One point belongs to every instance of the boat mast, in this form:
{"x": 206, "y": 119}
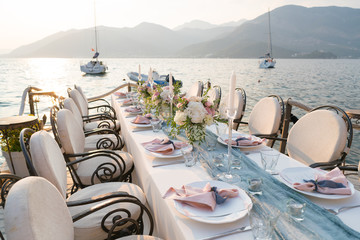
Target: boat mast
{"x": 269, "y": 42}
{"x": 96, "y": 46}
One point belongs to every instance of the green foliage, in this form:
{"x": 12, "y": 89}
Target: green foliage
{"x": 12, "y": 139}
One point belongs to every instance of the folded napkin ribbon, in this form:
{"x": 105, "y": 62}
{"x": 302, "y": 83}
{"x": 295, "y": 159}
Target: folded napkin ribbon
{"x": 333, "y": 182}
{"x": 245, "y": 141}
{"x": 120, "y": 94}
{"x": 206, "y": 197}
{"x": 163, "y": 146}
{"x": 141, "y": 120}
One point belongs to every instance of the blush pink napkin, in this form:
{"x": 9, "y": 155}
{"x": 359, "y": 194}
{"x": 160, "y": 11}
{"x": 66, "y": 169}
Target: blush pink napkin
{"x": 120, "y": 94}
{"x": 127, "y": 101}
{"x": 162, "y": 146}
{"x": 245, "y": 141}
{"x": 132, "y": 110}
{"x": 334, "y": 175}
{"x": 141, "y": 120}
{"x": 199, "y": 197}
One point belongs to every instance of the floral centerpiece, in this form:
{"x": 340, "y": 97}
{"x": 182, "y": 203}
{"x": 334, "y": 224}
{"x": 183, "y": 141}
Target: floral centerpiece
{"x": 145, "y": 93}
{"x": 161, "y": 97}
{"x": 193, "y": 115}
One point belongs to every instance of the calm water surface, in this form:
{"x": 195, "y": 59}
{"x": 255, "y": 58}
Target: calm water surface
{"x": 312, "y": 82}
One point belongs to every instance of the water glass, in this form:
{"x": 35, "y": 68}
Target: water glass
{"x": 190, "y": 156}
{"x": 210, "y": 143}
{"x": 156, "y": 124}
{"x": 262, "y": 224}
{"x": 254, "y": 186}
{"x": 236, "y": 163}
{"x": 218, "y": 160}
{"x": 296, "y": 210}
{"x": 221, "y": 129}
{"x": 269, "y": 160}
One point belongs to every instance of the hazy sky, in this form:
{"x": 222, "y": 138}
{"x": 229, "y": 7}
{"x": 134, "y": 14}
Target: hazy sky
{"x": 25, "y": 21}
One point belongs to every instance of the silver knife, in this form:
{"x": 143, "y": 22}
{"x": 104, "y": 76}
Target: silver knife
{"x": 169, "y": 163}
{"x": 142, "y": 130}
{"x": 227, "y": 233}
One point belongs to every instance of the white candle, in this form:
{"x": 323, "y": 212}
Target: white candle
{"x": 150, "y": 76}
{"x": 170, "y": 83}
{"x": 139, "y": 73}
{"x": 232, "y": 90}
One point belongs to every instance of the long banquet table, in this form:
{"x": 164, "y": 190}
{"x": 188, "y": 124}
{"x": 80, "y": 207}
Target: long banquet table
{"x": 170, "y": 224}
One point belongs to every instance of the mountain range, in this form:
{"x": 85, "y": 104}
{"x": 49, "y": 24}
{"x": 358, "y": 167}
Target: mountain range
{"x": 296, "y": 32}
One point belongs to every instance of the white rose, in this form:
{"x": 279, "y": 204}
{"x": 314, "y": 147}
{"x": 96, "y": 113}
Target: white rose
{"x": 197, "y": 112}
{"x": 180, "y": 117}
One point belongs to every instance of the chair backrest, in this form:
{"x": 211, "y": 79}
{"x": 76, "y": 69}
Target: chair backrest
{"x": 321, "y": 136}
{"x": 80, "y": 91}
{"x": 239, "y": 104}
{"x": 36, "y": 211}
{"x": 48, "y": 160}
{"x": 80, "y": 102}
{"x": 214, "y": 94}
{"x": 24, "y": 138}
{"x": 71, "y": 105}
{"x": 71, "y": 135}
{"x": 266, "y": 116}
{"x": 196, "y": 90}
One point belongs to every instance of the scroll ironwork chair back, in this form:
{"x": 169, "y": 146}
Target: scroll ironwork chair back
{"x": 53, "y": 120}
{"x": 241, "y": 108}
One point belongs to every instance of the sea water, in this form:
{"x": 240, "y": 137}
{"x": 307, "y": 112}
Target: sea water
{"x": 311, "y": 82}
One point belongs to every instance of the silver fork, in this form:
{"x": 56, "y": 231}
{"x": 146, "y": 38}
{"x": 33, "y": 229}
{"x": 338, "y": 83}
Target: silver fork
{"x": 337, "y": 210}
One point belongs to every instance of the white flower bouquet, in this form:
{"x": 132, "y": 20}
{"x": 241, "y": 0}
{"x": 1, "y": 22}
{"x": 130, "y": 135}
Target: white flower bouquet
{"x": 193, "y": 115}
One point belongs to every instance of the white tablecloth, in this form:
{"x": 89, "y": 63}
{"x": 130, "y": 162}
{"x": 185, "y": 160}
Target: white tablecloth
{"x": 156, "y": 181}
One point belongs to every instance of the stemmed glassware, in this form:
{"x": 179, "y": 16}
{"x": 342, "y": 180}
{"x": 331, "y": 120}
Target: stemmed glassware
{"x": 228, "y": 176}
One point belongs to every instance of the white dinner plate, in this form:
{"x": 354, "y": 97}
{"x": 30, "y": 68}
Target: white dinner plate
{"x": 175, "y": 154}
{"x": 297, "y": 174}
{"x": 122, "y": 102}
{"x": 231, "y": 210}
{"x": 221, "y": 139}
{"x": 134, "y": 113}
{"x": 140, "y": 125}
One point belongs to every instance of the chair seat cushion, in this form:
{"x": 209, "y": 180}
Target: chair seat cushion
{"x": 92, "y": 140}
{"x": 93, "y": 125}
{"x": 86, "y": 168}
{"x": 89, "y": 228}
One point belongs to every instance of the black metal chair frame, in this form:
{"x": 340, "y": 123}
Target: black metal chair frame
{"x": 238, "y": 120}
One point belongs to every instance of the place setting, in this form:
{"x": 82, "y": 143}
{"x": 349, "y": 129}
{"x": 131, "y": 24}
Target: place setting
{"x": 165, "y": 150}
{"x": 213, "y": 202}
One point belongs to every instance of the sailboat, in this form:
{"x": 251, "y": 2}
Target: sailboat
{"x": 268, "y": 61}
{"x": 94, "y": 66}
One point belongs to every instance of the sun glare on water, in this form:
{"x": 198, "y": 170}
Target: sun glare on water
{"x": 48, "y": 73}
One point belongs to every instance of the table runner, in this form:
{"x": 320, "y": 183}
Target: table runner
{"x": 318, "y": 223}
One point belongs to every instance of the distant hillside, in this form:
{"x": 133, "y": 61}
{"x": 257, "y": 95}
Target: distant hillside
{"x": 195, "y": 24}
{"x": 296, "y": 31}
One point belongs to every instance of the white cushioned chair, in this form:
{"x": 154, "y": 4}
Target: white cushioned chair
{"x": 98, "y": 138}
{"x": 36, "y": 210}
{"x": 321, "y": 138}
{"x": 214, "y": 96}
{"x": 104, "y": 111}
{"x": 118, "y": 163}
{"x": 90, "y": 125}
{"x": 196, "y": 90}
{"x": 239, "y": 104}
{"x": 266, "y": 119}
